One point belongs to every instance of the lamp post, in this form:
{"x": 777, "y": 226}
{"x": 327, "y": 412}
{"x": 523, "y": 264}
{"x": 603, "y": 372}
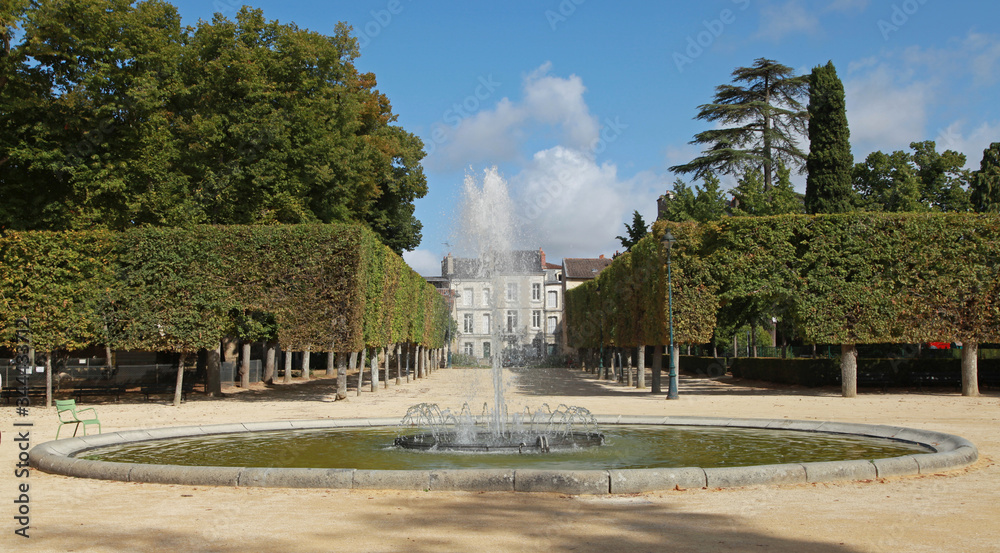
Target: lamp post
{"x": 668, "y": 242}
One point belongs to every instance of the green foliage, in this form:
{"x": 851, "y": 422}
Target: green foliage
{"x": 828, "y": 185}
{"x": 922, "y": 181}
{"x": 887, "y": 182}
{"x": 761, "y": 123}
{"x": 635, "y": 232}
{"x": 116, "y": 116}
{"x": 752, "y": 198}
{"x": 153, "y": 288}
{"x": 704, "y": 203}
{"x": 985, "y": 189}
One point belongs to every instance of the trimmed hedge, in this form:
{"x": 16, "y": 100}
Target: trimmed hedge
{"x": 173, "y": 289}
{"x": 871, "y": 372}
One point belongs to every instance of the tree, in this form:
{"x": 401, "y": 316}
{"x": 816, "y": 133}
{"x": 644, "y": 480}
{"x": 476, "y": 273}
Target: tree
{"x": 985, "y": 188}
{"x": 943, "y": 177}
{"x": 751, "y": 199}
{"x": 703, "y": 203}
{"x": 887, "y": 182}
{"x": 828, "y": 184}
{"x": 636, "y": 232}
{"x": 767, "y": 115}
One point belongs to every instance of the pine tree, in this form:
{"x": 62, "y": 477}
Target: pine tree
{"x": 986, "y": 181}
{"x": 828, "y": 184}
{"x": 766, "y": 115}
{"x": 635, "y": 232}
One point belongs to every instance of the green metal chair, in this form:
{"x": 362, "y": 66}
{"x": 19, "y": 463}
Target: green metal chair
{"x": 68, "y": 414}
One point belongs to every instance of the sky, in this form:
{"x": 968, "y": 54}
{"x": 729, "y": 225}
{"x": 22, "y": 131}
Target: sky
{"x": 583, "y": 105}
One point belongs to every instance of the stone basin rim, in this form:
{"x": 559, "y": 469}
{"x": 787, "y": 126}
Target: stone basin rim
{"x": 949, "y": 452}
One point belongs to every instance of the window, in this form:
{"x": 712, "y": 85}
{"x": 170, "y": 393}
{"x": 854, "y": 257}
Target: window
{"x": 486, "y": 349}
{"x": 553, "y": 299}
{"x": 486, "y": 297}
{"x": 536, "y": 319}
{"x": 511, "y": 321}
{"x": 553, "y": 322}
{"x": 486, "y": 323}
{"x": 468, "y": 349}
{"x": 511, "y": 291}
{"x": 536, "y": 291}
{"x": 467, "y": 297}
{"x": 467, "y": 324}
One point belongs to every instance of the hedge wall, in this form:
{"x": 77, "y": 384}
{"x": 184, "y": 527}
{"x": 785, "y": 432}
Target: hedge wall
{"x": 177, "y": 289}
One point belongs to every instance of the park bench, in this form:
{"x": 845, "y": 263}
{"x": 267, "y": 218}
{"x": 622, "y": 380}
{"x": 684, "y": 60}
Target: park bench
{"x": 936, "y": 378}
{"x": 165, "y": 388}
{"x": 875, "y": 379}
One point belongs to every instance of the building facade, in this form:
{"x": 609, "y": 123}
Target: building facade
{"x": 521, "y": 301}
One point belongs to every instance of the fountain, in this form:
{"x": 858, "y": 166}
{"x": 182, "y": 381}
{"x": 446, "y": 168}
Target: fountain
{"x": 488, "y": 233}
{"x": 551, "y": 450}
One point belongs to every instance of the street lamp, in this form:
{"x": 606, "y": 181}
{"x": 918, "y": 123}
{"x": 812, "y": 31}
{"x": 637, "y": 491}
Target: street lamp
{"x": 668, "y": 242}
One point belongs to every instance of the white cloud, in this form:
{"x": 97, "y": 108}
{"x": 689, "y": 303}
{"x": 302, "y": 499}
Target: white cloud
{"x": 971, "y": 144}
{"x": 575, "y": 207}
{"x": 893, "y": 99}
{"x": 778, "y": 21}
{"x": 494, "y": 135}
{"x": 424, "y": 262}
{"x": 884, "y": 113}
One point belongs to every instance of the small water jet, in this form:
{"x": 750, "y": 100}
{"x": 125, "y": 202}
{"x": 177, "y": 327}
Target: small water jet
{"x": 543, "y": 431}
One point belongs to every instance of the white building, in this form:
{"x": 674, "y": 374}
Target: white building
{"x": 528, "y": 313}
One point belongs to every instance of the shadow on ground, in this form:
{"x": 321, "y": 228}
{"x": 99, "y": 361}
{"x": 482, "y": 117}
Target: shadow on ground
{"x": 429, "y": 523}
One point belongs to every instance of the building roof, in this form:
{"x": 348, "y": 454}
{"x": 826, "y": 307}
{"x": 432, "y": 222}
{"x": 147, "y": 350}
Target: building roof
{"x": 584, "y": 268}
{"x": 509, "y": 263}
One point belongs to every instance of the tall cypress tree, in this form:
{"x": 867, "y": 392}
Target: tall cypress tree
{"x": 828, "y": 184}
{"x": 986, "y": 181}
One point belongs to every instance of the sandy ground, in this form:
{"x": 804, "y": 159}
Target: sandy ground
{"x": 955, "y": 511}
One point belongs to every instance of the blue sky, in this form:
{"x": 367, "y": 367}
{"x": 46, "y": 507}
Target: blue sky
{"x": 584, "y": 104}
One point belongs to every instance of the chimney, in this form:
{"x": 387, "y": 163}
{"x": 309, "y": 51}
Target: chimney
{"x": 602, "y": 256}
{"x": 540, "y": 250}
{"x": 447, "y": 266}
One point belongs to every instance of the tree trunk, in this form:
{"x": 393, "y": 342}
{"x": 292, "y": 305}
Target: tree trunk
{"x": 970, "y": 368}
{"x": 849, "y": 370}
{"x": 213, "y": 366}
{"x": 406, "y": 348}
{"x": 305, "y": 363}
{"x": 352, "y": 364}
{"x": 399, "y": 364}
{"x": 676, "y": 354}
{"x": 736, "y": 345}
{"x": 288, "y": 366}
{"x": 361, "y": 368}
{"x": 342, "y": 376}
{"x": 640, "y": 367}
{"x": 331, "y": 361}
{"x": 245, "y": 365}
{"x": 657, "y": 368}
{"x": 48, "y": 379}
{"x": 179, "y": 385}
{"x": 109, "y": 355}
{"x": 753, "y": 341}
{"x": 374, "y": 375}
{"x": 229, "y": 349}
{"x": 269, "y": 362}
{"x": 627, "y": 365}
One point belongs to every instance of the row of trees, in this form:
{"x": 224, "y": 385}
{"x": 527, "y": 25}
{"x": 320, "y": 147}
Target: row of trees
{"x": 847, "y": 279}
{"x": 116, "y": 116}
{"x": 763, "y": 114}
{"x": 332, "y": 288}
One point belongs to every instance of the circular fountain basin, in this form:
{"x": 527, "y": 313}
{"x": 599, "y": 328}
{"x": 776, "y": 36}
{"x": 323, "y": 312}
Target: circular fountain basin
{"x": 483, "y": 443}
{"x": 940, "y": 452}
